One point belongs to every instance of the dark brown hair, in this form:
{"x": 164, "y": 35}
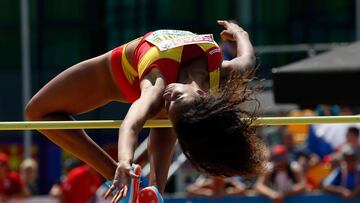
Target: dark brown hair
{"x": 216, "y": 134}
{"x": 354, "y": 130}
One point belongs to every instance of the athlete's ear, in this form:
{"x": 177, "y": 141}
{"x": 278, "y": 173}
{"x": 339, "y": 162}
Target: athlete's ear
{"x": 200, "y": 92}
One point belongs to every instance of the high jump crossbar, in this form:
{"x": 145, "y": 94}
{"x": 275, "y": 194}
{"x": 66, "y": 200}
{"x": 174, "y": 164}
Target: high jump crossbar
{"x": 106, "y": 124}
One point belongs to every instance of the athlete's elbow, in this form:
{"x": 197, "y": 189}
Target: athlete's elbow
{"x": 248, "y": 65}
{"x": 250, "y": 61}
{"x": 154, "y": 97}
{"x": 243, "y": 65}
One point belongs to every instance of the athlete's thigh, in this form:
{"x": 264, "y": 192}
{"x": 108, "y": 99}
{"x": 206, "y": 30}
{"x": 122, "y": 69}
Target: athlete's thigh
{"x": 79, "y": 89}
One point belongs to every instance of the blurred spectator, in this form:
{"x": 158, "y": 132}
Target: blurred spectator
{"x": 303, "y": 159}
{"x": 69, "y": 164}
{"x": 327, "y": 110}
{"x": 14, "y": 157}
{"x": 335, "y": 161}
{"x": 216, "y": 186}
{"x": 296, "y": 152}
{"x": 284, "y": 179}
{"x": 314, "y": 170}
{"x": 283, "y": 135}
{"x": 11, "y": 185}
{"x": 29, "y": 175}
{"x": 324, "y": 139}
{"x": 79, "y": 186}
{"x": 345, "y": 180}
{"x": 346, "y": 111}
{"x": 287, "y": 140}
{"x": 352, "y": 141}
{"x": 300, "y": 132}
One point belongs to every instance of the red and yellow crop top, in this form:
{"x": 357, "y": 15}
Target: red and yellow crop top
{"x": 165, "y": 50}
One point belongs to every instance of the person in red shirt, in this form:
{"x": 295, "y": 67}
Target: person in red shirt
{"x": 10, "y": 181}
{"x": 79, "y": 186}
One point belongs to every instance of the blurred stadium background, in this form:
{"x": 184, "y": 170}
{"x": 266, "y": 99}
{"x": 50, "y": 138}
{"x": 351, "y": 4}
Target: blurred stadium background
{"x": 66, "y": 32}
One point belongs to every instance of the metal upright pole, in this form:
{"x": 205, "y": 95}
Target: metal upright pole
{"x": 243, "y": 12}
{"x": 26, "y": 73}
{"x": 357, "y": 19}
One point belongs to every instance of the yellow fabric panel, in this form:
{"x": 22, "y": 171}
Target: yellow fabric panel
{"x": 154, "y": 54}
{"x": 128, "y": 70}
{"x": 214, "y": 80}
{"x": 206, "y": 46}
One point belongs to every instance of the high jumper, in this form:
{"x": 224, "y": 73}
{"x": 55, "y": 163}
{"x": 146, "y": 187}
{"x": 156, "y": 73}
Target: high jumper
{"x": 165, "y": 74}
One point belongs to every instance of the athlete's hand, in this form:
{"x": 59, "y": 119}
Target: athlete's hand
{"x": 121, "y": 182}
{"x": 231, "y": 30}
{"x": 277, "y": 198}
{"x": 346, "y": 193}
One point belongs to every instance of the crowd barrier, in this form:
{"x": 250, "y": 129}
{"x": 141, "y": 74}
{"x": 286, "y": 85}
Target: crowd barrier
{"x": 42, "y": 199}
{"x": 309, "y": 198}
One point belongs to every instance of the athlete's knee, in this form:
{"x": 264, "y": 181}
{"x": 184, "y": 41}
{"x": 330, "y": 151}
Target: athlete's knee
{"x": 33, "y": 111}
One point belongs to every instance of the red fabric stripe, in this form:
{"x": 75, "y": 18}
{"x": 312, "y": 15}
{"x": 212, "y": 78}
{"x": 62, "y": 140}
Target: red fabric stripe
{"x": 168, "y": 67}
{"x": 214, "y": 58}
{"x": 131, "y": 92}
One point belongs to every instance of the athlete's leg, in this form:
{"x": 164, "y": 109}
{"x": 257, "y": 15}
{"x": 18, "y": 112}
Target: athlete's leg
{"x": 161, "y": 150}
{"x": 78, "y": 89}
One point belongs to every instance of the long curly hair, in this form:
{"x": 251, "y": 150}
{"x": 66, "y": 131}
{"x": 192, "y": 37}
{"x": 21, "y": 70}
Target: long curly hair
{"x": 216, "y": 134}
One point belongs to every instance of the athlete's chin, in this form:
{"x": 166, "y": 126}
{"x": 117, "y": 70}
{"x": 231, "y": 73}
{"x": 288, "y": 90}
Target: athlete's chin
{"x": 166, "y": 105}
{"x": 173, "y": 114}
{"x": 170, "y": 110}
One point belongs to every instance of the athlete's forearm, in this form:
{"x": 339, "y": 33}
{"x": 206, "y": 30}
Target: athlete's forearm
{"x": 245, "y": 57}
{"x": 128, "y": 132}
{"x": 263, "y": 189}
{"x": 296, "y": 189}
{"x": 335, "y": 189}
{"x": 300, "y": 185}
{"x": 140, "y": 111}
{"x": 126, "y": 146}
{"x": 243, "y": 44}
{"x": 244, "y": 49}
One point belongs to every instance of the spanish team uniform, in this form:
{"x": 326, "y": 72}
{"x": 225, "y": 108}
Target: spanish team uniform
{"x": 165, "y": 50}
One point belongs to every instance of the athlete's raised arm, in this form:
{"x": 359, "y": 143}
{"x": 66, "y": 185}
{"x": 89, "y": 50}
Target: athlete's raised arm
{"x": 245, "y": 57}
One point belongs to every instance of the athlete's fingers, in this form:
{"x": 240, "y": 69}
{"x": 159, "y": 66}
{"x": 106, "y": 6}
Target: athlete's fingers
{"x": 125, "y": 190}
{"x": 226, "y": 35}
{"x": 223, "y": 35}
{"x": 109, "y": 191}
{"x": 121, "y": 195}
{"x": 223, "y": 23}
{"x": 115, "y": 197}
{"x": 133, "y": 175}
{"x": 226, "y": 32}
